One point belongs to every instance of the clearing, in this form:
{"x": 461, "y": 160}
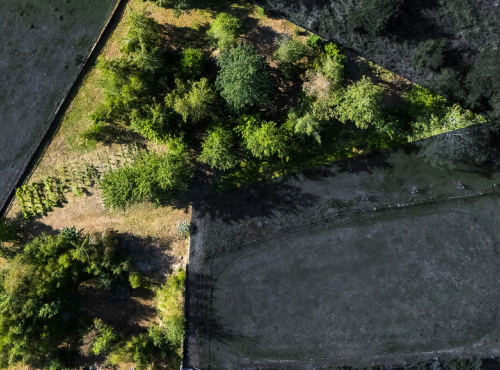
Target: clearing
{"x": 302, "y": 272}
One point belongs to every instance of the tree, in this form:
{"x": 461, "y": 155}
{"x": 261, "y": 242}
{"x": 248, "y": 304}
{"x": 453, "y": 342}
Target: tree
{"x": 455, "y": 138}
{"x": 263, "y": 139}
{"x": 195, "y": 104}
{"x": 244, "y": 80}
{"x": 158, "y": 123}
{"x": 362, "y": 104}
{"x": 216, "y": 150}
{"x": 289, "y": 54}
{"x": 372, "y": 16}
{"x": 144, "y": 33}
{"x": 39, "y": 293}
{"x": 152, "y": 176}
{"x": 225, "y": 30}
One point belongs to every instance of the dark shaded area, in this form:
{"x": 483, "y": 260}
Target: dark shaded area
{"x": 257, "y": 200}
{"x": 393, "y": 34}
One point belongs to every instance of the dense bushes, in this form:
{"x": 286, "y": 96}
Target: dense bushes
{"x": 372, "y": 16}
{"x": 161, "y": 344}
{"x": 430, "y": 54}
{"x": 39, "y": 293}
{"x": 152, "y": 176}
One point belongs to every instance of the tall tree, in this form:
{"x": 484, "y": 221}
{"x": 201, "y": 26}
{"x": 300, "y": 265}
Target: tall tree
{"x": 244, "y": 80}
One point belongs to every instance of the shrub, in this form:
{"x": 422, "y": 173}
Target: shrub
{"x": 430, "y": 54}
{"x": 216, "y": 149}
{"x": 313, "y": 41}
{"x": 261, "y": 11}
{"x": 372, "y": 16}
{"x": 225, "y": 30}
{"x": 192, "y": 63}
{"x": 244, "y": 80}
{"x": 184, "y": 229}
{"x": 152, "y": 176}
{"x": 135, "y": 280}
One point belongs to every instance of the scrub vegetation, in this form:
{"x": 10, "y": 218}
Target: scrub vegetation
{"x": 184, "y": 100}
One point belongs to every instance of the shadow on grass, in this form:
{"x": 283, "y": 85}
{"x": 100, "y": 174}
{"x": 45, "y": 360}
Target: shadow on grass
{"x": 201, "y": 318}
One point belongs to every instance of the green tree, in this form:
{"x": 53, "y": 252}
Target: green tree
{"x": 152, "y": 176}
{"x": 143, "y": 34}
{"x": 263, "y": 139}
{"x": 216, "y": 149}
{"x": 39, "y": 293}
{"x": 372, "y": 16}
{"x": 362, "y": 104}
{"x": 430, "y": 54}
{"x": 195, "y": 104}
{"x": 289, "y": 55}
{"x": 244, "y": 80}
{"x": 225, "y": 30}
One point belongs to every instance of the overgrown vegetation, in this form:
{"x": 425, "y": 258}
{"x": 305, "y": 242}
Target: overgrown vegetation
{"x": 228, "y": 106}
{"x": 41, "y": 321}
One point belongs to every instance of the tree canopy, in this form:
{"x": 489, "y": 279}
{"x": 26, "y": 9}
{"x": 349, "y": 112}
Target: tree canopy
{"x": 244, "y": 80}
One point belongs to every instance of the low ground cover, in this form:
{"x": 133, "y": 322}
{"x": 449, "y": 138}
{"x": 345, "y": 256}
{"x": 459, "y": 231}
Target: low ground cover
{"x": 285, "y": 270}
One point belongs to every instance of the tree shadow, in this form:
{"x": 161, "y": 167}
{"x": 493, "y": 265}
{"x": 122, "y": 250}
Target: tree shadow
{"x": 150, "y": 256}
{"x": 115, "y": 134}
{"x": 182, "y": 37}
{"x": 262, "y": 199}
{"x": 202, "y": 319}
{"x": 411, "y": 24}
{"x": 365, "y": 163}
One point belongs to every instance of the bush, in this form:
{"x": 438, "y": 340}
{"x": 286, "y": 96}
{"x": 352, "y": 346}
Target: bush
{"x": 244, "y": 80}
{"x": 289, "y": 54}
{"x": 430, "y": 54}
{"x": 261, "y": 11}
{"x": 313, "y": 41}
{"x": 216, "y": 149}
{"x": 170, "y": 305}
{"x": 225, "y": 30}
{"x": 372, "y": 16}
{"x": 192, "y": 63}
{"x": 184, "y": 229}
{"x": 152, "y": 176}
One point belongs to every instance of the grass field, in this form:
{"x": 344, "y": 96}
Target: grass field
{"x": 47, "y": 42}
{"x": 377, "y": 285}
{"x": 301, "y": 272}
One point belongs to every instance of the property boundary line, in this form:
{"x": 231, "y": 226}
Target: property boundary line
{"x": 347, "y": 214}
{"x": 30, "y": 164}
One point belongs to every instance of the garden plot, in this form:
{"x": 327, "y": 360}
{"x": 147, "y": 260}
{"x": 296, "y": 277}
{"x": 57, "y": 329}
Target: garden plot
{"x": 44, "y": 45}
